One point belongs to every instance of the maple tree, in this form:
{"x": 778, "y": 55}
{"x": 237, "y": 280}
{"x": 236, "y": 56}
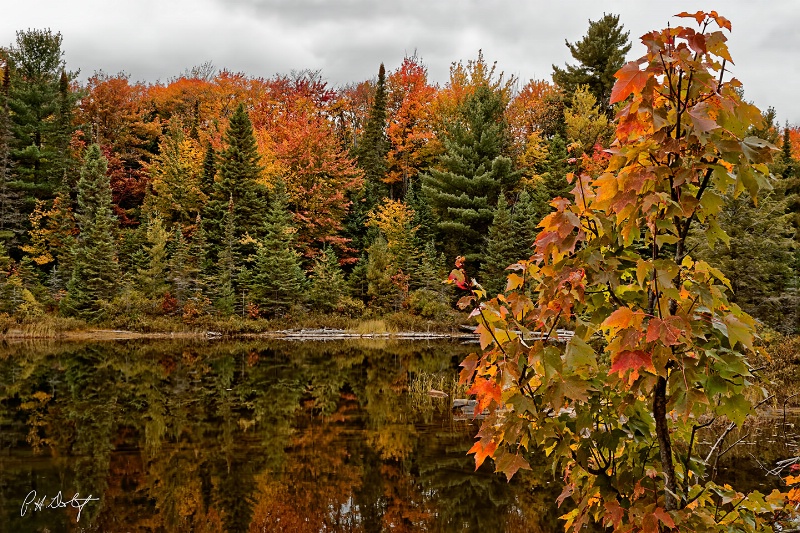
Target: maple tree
{"x": 658, "y": 349}
{"x": 410, "y": 130}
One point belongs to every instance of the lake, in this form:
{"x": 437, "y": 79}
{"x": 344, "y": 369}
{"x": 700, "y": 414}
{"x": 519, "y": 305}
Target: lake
{"x": 248, "y": 436}
{"x": 257, "y": 435}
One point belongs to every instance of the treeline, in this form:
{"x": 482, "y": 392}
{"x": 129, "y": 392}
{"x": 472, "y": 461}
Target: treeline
{"x": 221, "y": 194}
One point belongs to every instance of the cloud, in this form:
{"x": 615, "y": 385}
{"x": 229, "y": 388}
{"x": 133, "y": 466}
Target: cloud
{"x": 348, "y": 39}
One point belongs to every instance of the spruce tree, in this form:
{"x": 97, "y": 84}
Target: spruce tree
{"x": 600, "y": 54}
{"x": 239, "y": 180}
{"x": 95, "y": 268}
{"x": 182, "y": 272}
{"x": 374, "y": 145}
{"x": 227, "y": 265}
{"x": 41, "y": 106}
{"x": 327, "y": 285}
{"x": 502, "y": 249}
{"x": 381, "y": 290}
{"x": 525, "y": 217}
{"x": 276, "y": 281}
{"x": 152, "y": 278}
{"x": 11, "y": 216}
{"x": 553, "y": 171}
{"x": 209, "y": 170}
{"x": 463, "y": 189}
{"x": 370, "y": 153}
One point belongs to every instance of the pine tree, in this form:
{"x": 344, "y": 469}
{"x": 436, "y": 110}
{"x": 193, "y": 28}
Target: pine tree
{"x": 502, "y": 249}
{"x": 463, "y": 190}
{"x": 209, "y": 170}
{"x": 276, "y": 281}
{"x": 553, "y": 171}
{"x": 95, "y": 268}
{"x": 600, "y": 54}
{"x": 227, "y": 270}
{"x": 372, "y": 150}
{"x": 381, "y": 290}
{"x": 239, "y": 180}
{"x": 327, "y": 285}
{"x": 525, "y": 218}
{"x": 41, "y": 104}
{"x": 11, "y": 216}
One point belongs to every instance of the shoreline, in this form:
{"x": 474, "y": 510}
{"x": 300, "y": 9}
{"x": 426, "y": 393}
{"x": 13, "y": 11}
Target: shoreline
{"x": 293, "y": 334}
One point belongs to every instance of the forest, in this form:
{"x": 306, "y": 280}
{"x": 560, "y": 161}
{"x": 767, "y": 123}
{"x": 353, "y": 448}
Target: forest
{"x": 217, "y": 196}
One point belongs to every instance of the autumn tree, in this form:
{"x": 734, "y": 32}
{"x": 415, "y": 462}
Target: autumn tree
{"x": 410, "y": 129}
{"x": 654, "y": 329}
{"x": 95, "y": 269}
{"x": 176, "y": 192}
{"x": 600, "y": 53}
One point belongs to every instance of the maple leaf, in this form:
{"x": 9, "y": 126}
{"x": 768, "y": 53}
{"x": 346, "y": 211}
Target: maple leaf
{"x": 485, "y": 390}
{"x": 630, "y": 80}
{"x": 510, "y": 463}
{"x": 664, "y": 330}
{"x": 482, "y": 450}
{"x": 632, "y": 360}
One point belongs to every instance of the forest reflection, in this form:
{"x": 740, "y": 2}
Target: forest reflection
{"x": 248, "y": 436}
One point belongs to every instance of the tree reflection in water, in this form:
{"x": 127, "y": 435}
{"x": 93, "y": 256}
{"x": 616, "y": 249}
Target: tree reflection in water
{"x": 247, "y": 436}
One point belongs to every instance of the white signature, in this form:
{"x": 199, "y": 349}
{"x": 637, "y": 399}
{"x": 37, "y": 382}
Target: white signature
{"x": 57, "y": 502}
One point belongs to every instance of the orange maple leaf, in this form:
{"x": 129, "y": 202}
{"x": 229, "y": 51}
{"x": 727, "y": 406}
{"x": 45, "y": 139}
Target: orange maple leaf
{"x": 630, "y": 80}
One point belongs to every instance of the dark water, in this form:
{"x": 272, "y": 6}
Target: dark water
{"x": 182, "y": 436}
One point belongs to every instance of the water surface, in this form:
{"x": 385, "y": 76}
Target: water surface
{"x": 248, "y": 436}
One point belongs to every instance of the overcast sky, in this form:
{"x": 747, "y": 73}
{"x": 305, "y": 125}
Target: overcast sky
{"x": 347, "y": 39}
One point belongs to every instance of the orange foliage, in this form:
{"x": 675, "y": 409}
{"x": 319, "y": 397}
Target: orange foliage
{"x": 410, "y": 130}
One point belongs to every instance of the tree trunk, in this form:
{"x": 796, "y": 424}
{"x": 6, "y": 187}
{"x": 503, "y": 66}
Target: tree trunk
{"x": 664, "y": 443}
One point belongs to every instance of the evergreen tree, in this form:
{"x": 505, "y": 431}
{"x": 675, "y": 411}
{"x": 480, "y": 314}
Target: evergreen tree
{"x": 381, "y": 290}
{"x": 209, "y": 170}
{"x": 41, "y": 105}
{"x": 553, "y": 171}
{"x": 370, "y": 154}
{"x": 502, "y": 249}
{"x": 277, "y": 280}
{"x": 432, "y": 270}
{"x": 374, "y": 145}
{"x": 152, "y": 279}
{"x": 600, "y": 54}
{"x": 182, "y": 270}
{"x": 239, "y": 174}
{"x": 758, "y": 260}
{"x": 327, "y": 285}
{"x": 227, "y": 270}
{"x": 11, "y": 216}
{"x": 464, "y": 188}
{"x": 526, "y": 217}
{"x": 95, "y": 268}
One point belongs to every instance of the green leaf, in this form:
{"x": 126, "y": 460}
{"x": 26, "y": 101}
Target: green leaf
{"x": 736, "y": 408}
{"x": 579, "y": 355}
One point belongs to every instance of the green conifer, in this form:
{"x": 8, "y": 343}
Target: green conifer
{"x": 239, "y": 179}
{"x": 95, "y": 268}
{"x": 600, "y": 54}
{"x": 502, "y": 249}
{"x": 327, "y": 285}
{"x": 463, "y": 190}
{"x": 276, "y": 281}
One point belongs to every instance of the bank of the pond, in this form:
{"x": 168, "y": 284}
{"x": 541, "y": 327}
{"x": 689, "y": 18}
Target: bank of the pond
{"x": 311, "y": 327}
